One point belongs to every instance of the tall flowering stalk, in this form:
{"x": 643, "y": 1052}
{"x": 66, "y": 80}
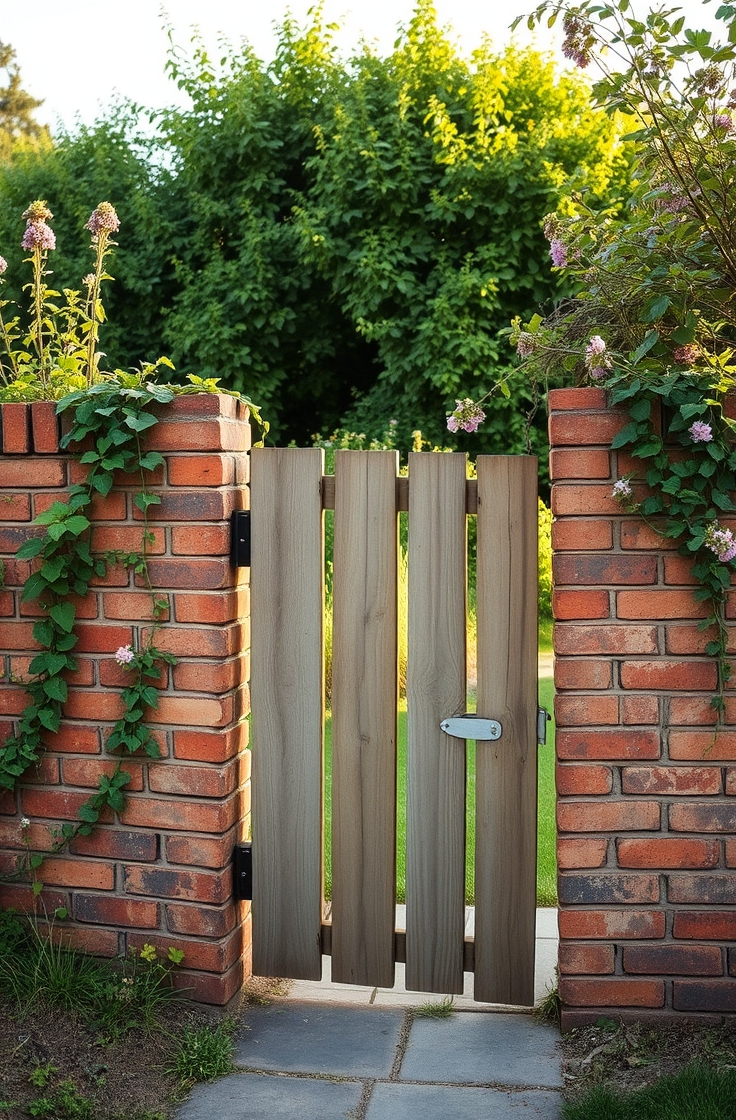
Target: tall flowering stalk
{"x": 103, "y": 222}
{"x": 39, "y": 238}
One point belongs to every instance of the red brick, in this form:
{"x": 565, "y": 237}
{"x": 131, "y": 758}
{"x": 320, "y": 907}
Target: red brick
{"x": 93, "y": 874}
{"x": 709, "y": 925}
{"x": 698, "y": 710}
{"x": 13, "y": 701}
{"x": 580, "y": 604}
{"x": 85, "y": 607}
{"x": 591, "y": 499}
{"x": 663, "y": 852}
{"x": 673, "y": 960}
{"x": 210, "y": 746}
{"x": 215, "y": 606}
{"x": 114, "y": 843}
{"x": 102, "y": 637}
{"x": 16, "y": 571}
{"x": 15, "y": 507}
{"x": 201, "y": 540}
{"x": 618, "y": 992}
{"x": 665, "y": 674}
{"x": 7, "y": 801}
{"x": 702, "y": 890}
{"x": 608, "y": 816}
{"x": 179, "y": 815}
{"x": 129, "y": 605}
{"x": 204, "y": 435}
{"x": 94, "y": 705}
{"x": 56, "y": 804}
{"x": 574, "y": 638}
{"x": 127, "y": 538}
{"x": 210, "y": 676}
{"x": 575, "y": 889}
{"x": 195, "y": 711}
{"x": 584, "y": 429}
{"x": 44, "y": 772}
{"x": 731, "y": 853}
{"x": 575, "y": 534}
{"x": 637, "y": 534}
{"x": 111, "y": 507}
{"x": 658, "y": 604}
{"x": 98, "y": 942}
{"x": 101, "y": 910}
{"x": 704, "y": 995}
{"x": 189, "y": 574}
{"x": 14, "y": 896}
{"x": 583, "y": 779}
{"x": 607, "y": 744}
{"x": 678, "y": 569}
{"x": 201, "y": 470}
{"x": 579, "y": 464}
{"x": 45, "y": 426}
{"x": 201, "y": 641}
{"x": 88, "y": 771}
{"x": 201, "y": 851}
{"x": 582, "y": 674}
{"x": 207, "y": 956}
{"x": 639, "y": 709}
{"x": 197, "y": 406}
{"x": 27, "y": 474}
{"x": 193, "y": 781}
{"x": 7, "y": 604}
{"x": 206, "y": 987}
{"x": 200, "y": 921}
{"x": 117, "y": 676}
{"x": 612, "y": 925}
{"x": 577, "y": 959}
{"x": 13, "y": 536}
{"x": 16, "y": 428}
{"x": 672, "y": 780}
{"x": 575, "y": 399}
{"x": 116, "y": 576}
{"x": 700, "y": 746}
{"x": 164, "y": 882}
{"x": 37, "y": 836}
{"x": 581, "y": 853}
{"x": 605, "y": 568}
{"x": 708, "y": 816}
{"x": 192, "y": 505}
{"x": 582, "y": 711}
{"x": 74, "y": 738}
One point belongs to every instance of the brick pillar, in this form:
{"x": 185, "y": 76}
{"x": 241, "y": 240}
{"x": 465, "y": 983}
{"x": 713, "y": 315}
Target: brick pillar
{"x": 160, "y": 872}
{"x": 646, "y": 798}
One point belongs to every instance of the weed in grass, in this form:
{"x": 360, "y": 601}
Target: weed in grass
{"x": 41, "y": 1075}
{"x": 204, "y": 1054}
{"x": 5, "y": 1106}
{"x": 435, "y": 1009}
{"x": 697, "y": 1093}
{"x": 42, "y": 970}
{"x": 66, "y": 1103}
{"x": 549, "y": 1007}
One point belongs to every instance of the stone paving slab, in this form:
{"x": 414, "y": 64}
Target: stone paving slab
{"x": 482, "y": 1049}
{"x": 394, "y": 1101}
{"x": 317, "y": 1038}
{"x": 257, "y": 1096}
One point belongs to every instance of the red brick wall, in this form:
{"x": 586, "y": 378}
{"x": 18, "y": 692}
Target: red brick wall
{"x": 646, "y": 798}
{"x": 160, "y": 872}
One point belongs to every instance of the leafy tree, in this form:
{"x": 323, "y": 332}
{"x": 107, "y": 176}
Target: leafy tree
{"x": 16, "y": 107}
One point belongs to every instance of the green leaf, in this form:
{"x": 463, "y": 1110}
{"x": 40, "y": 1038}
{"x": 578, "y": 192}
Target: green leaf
{"x": 628, "y": 434}
{"x": 655, "y": 308}
{"x": 141, "y": 422}
{"x": 63, "y": 615}
{"x": 55, "y": 688}
{"x": 650, "y": 339}
{"x": 77, "y": 524}
{"x": 49, "y": 718}
{"x": 30, "y": 548}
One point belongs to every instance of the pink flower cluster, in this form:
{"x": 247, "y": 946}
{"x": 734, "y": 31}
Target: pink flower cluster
{"x": 700, "y": 432}
{"x": 558, "y": 252}
{"x": 467, "y": 417}
{"x": 38, "y": 235}
{"x": 124, "y": 655}
{"x": 597, "y": 358}
{"x": 525, "y": 346}
{"x": 686, "y": 355}
{"x": 622, "y": 489}
{"x": 3, "y": 265}
{"x": 103, "y": 219}
{"x": 578, "y": 41}
{"x": 721, "y": 541}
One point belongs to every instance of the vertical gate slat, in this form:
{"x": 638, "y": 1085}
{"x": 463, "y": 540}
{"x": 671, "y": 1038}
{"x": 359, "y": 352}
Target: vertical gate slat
{"x": 506, "y": 770}
{"x": 436, "y": 688}
{"x": 364, "y": 692}
{"x": 287, "y": 582}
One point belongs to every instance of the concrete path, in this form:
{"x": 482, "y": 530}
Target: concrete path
{"x": 328, "y": 1051}
{"x": 313, "y": 1061}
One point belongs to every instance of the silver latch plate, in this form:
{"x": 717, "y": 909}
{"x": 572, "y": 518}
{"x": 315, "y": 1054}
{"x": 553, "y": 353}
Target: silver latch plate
{"x": 471, "y": 726}
{"x": 542, "y": 717}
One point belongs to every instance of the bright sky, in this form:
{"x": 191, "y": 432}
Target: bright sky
{"x": 76, "y": 54}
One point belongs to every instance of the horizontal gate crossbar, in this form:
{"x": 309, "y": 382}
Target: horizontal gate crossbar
{"x": 399, "y": 946}
{"x": 402, "y": 494}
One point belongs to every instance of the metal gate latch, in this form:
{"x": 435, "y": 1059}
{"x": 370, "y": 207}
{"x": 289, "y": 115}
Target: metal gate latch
{"x": 472, "y": 726}
{"x": 542, "y": 717}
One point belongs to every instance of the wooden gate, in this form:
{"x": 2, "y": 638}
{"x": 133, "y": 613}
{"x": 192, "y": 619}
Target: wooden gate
{"x": 289, "y": 492}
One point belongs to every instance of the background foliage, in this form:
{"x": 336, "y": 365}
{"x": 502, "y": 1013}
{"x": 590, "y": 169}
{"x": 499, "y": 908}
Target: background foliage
{"x": 342, "y": 238}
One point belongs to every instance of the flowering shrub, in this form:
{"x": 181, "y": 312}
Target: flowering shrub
{"x": 654, "y": 320}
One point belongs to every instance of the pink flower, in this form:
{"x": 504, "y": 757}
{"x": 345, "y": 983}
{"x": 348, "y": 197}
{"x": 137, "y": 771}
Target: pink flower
{"x": 599, "y": 371}
{"x": 38, "y": 236}
{"x": 3, "y": 265}
{"x": 103, "y": 218}
{"x": 724, "y": 122}
{"x": 686, "y": 355}
{"x": 721, "y": 541}
{"x": 700, "y": 432}
{"x": 124, "y": 655}
{"x": 558, "y": 252}
{"x": 578, "y": 40}
{"x": 467, "y": 416}
{"x": 525, "y": 345}
{"x": 622, "y": 489}
{"x": 595, "y": 346}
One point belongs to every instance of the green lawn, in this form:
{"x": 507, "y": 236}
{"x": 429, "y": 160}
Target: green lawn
{"x": 546, "y": 861}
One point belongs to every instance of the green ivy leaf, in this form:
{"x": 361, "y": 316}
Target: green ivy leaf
{"x": 63, "y": 615}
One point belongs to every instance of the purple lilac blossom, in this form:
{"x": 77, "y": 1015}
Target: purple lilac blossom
{"x": 700, "y": 432}
{"x": 724, "y": 122}
{"x": 558, "y": 252}
{"x": 38, "y": 236}
{"x": 721, "y": 541}
{"x": 466, "y": 417}
{"x": 103, "y": 218}
{"x": 599, "y": 371}
{"x": 124, "y": 655}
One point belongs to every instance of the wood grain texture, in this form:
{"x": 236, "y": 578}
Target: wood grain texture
{"x": 364, "y": 696}
{"x": 287, "y": 581}
{"x": 436, "y": 688}
{"x": 506, "y": 770}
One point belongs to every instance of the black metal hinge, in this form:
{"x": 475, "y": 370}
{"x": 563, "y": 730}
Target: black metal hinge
{"x": 243, "y": 872}
{"x": 240, "y": 538}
